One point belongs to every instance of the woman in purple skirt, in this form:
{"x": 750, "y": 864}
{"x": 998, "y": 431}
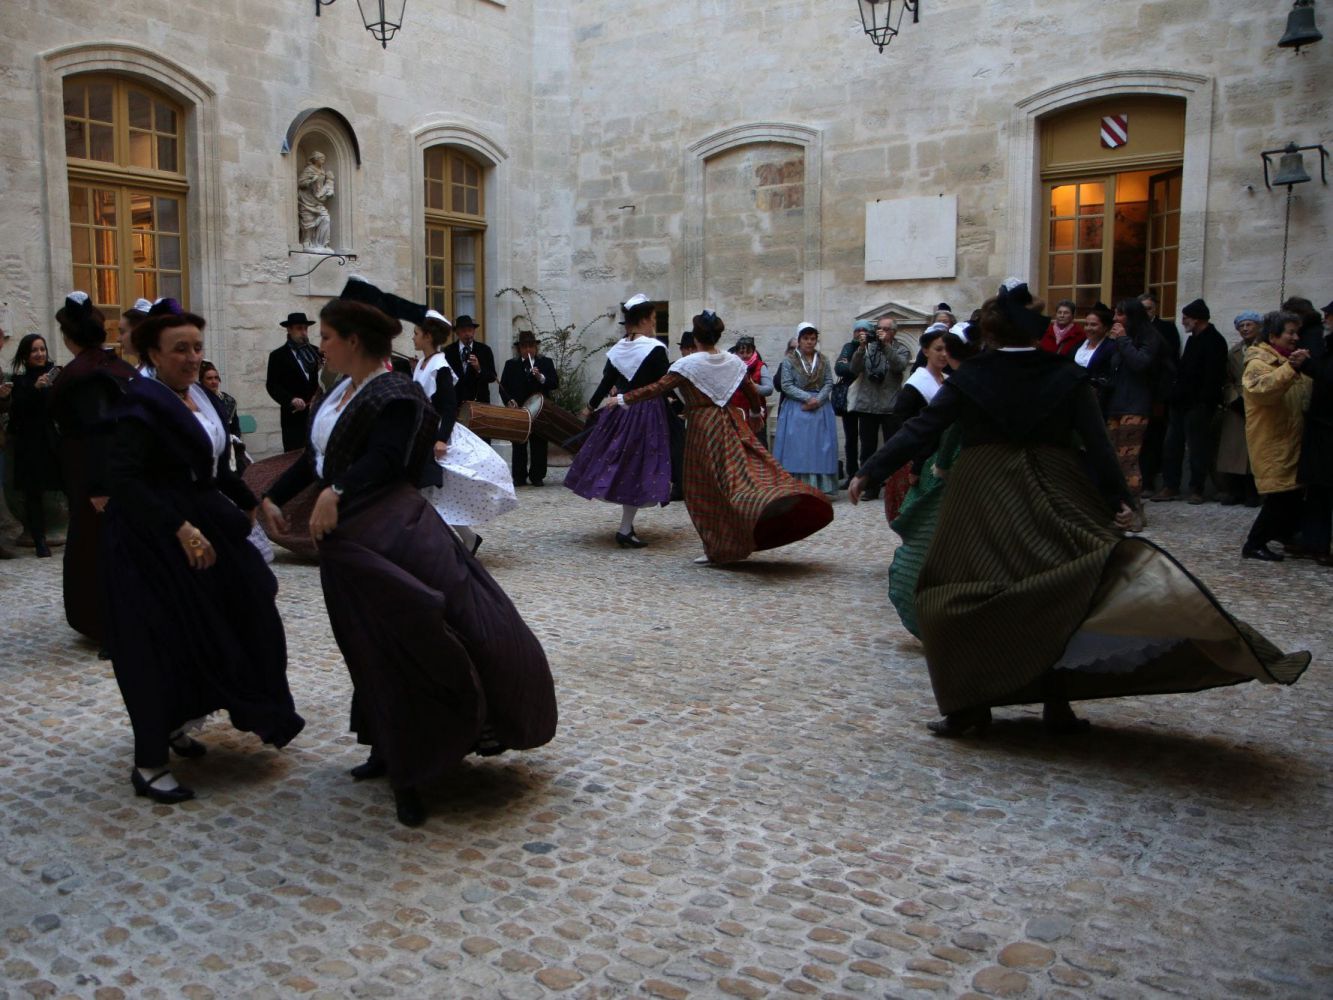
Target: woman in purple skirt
{"x": 626, "y": 458}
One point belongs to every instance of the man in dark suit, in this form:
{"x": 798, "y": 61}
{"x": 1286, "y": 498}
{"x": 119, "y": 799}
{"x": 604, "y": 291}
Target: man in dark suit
{"x": 1164, "y": 369}
{"x": 524, "y": 376}
{"x": 472, "y": 361}
{"x": 293, "y": 377}
{"x": 1194, "y": 401}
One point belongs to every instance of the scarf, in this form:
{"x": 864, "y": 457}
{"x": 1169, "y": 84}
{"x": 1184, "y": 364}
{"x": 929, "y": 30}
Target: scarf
{"x": 307, "y": 355}
{"x": 1061, "y": 332}
{"x": 1284, "y": 351}
{"x": 628, "y": 354}
{"x": 812, "y": 380}
{"x": 876, "y": 360}
{"x": 714, "y": 375}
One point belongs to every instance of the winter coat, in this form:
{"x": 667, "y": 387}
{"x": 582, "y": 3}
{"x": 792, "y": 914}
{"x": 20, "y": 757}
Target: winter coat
{"x": 1276, "y": 395}
{"x": 1232, "y": 455}
{"x": 1132, "y": 388}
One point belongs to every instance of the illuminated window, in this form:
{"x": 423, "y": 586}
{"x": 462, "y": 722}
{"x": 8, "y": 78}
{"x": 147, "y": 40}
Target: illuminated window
{"x": 455, "y": 229}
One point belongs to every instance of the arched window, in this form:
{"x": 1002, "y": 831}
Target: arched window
{"x": 127, "y": 191}
{"x": 455, "y": 205}
{"x": 1111, "y": 177}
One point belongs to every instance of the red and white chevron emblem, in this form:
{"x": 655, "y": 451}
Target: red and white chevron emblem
{"x": 1115, "y": 131}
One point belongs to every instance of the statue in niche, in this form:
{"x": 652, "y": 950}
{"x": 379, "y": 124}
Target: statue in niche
{"x": 314, "y": 189}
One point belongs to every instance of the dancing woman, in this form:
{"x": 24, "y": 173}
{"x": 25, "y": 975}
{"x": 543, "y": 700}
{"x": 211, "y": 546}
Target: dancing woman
{"x": 1028, "y": 593}
{"x": 192, "y": 625}
{"x": 626, "y": 458}
{"x": 472, "y": 485}
{"x": 81, "y": 403}
{"x": 738, "y": 497}
{"x": 442, "y": 665}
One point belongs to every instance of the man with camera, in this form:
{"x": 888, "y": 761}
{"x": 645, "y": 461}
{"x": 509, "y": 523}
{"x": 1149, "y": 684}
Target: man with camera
{"x": 878, "y": 364}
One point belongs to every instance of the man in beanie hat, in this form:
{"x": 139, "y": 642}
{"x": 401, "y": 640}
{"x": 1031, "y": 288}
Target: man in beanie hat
{"x": 529, "y": 374}
{"x": 292, "y": 378}
{"x": 1193, "y": 401}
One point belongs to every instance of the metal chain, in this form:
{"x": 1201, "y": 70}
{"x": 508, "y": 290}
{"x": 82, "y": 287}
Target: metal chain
{"x": 1286, "y": 229}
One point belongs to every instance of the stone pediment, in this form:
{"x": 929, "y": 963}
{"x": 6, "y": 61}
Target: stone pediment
{"x": 904, "y": 316}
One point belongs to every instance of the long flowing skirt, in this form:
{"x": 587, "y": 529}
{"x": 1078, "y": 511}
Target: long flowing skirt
{"x": 1028, "y": 594}
{"x": 626, "y": 458}
{"x": 915, "y": 525}
{"x": 738, "y": 497}
{"x": 261, "y": 475}
{"x": 85, "y": 597}
{"x": 477, "y": 485}
{"x": 806, "y": 444}
{"x": 188, "y": 642}
{"x": 436, "y": 650}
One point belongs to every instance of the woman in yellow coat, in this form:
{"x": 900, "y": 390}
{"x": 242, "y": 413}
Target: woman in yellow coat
{"x": 1276, "y": 395}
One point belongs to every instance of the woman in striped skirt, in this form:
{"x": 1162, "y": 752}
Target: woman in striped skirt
{"x": 1029, "y": 593}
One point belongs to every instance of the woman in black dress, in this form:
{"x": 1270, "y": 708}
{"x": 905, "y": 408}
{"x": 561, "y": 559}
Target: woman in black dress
{"x": 442, "y": 664}
{"x": 193, "y": 627}
{"x": 81, "y": 403}
{"x": 1028, "y": 592}
{"x": 32, "y": 443}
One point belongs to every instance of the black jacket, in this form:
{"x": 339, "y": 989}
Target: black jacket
{"x": 654, "y": 366}
{"x": 472, "y": 385}
{"x": 286, "y": 381}
{"x": 1202, "y": 371}
{"x": 516, "y": 384}
{"x": 1316, "y": 468}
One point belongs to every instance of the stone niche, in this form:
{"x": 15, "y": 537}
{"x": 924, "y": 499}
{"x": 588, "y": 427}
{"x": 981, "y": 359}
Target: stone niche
{"x": 322, "y": 130}
{"x": 753, "y": 240}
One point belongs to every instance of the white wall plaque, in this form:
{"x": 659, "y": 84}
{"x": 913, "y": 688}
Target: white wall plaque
{"x": 911, "y": 238}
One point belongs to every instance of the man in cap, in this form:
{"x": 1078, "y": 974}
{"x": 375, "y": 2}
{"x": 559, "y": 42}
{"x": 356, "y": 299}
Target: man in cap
{"x": 293, "y": 377}
{"x": 529, "y": 374}
{"x": 1193, "y": 401}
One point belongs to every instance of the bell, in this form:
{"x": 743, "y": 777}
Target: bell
{"x": 1301, "y": 29}
{"x": 1291, "y": 168}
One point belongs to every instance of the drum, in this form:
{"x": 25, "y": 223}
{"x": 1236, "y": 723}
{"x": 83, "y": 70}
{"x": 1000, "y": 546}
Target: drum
{"x": 554, "y": 423}
{"x": 508, "y": 423}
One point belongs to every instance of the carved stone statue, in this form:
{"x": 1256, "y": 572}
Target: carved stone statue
{"x": 314, "y": 189}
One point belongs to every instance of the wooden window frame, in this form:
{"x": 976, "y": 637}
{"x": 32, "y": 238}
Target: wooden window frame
{"x": 451, "y": 224}
{"x": 129, "y": 181}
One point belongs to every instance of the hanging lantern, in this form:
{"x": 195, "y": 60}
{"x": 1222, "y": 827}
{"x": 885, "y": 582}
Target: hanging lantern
{"x": 389, "y": 20}
{"x": 881, "y": 21}
{"x": 1301, "y": 28}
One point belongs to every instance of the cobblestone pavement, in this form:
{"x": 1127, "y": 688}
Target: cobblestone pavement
{"x": 741, "y": 801}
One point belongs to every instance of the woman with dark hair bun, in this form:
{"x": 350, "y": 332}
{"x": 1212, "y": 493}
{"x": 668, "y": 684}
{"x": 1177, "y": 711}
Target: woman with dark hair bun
{"x": 81, "y": 403}
{"x": 32, "y": 441}
{"x": 739, "y": 498}
{"x": 1028, "y": 592}
{"x": 442, "y": 664}
{"x": 626, "y": 458}
{"x": 192, "y": 625}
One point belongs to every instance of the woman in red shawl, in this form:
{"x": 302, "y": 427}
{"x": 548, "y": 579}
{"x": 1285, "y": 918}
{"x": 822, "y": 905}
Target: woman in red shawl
{"x": 757, "y": 372}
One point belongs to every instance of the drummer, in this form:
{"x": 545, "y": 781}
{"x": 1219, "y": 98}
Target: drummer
{"x": 529, "y": 374}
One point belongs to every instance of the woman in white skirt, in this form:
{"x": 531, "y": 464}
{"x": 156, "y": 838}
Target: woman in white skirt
{"x": 475, "y": 485}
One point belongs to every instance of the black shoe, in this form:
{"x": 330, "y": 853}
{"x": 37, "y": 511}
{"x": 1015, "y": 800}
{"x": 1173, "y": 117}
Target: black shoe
{"x": 186, "y": 746}
{"x": 630, "y": 541}
{"x": 1227, "y": 500}
{"x": 167, "y": 796}
{"x": 536, "y": 483}
{"x": 520, "y": 482}
{"x": 961, "y": 723}
{"x": 1261, "y": 552}
{"x": 476, "y": 544}
{"x": 104, "y": 653}
{"x": 1059, "y": 718}
{"x": 43, "y": 550}
{"x": 374, "y": 767}
{"x": 411, "y": 810}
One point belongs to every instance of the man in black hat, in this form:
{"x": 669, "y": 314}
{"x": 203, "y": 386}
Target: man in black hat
{"x": 528, "y": 375}
{"x": 1193, "y": 400}
{"x": 293, "y": 377}
{"x": 472, "y": 361}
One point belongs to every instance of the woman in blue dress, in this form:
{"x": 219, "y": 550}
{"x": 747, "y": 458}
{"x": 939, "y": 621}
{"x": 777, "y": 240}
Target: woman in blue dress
{"x": 806, "y": 443}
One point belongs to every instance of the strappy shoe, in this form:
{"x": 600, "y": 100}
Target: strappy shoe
{"x": 409, "y": 807}
{"x": 167, "y": 796}
{"x": 630, "y": 541}
{"x": 184, "y": 745}
{"x": 1060, "y": 720}
{"x": 973, "y": 721}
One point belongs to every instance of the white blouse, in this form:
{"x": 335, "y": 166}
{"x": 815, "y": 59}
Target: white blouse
{"x": 424, "y": 373}
{"x": 330, "y": 411}
{"x": 208, "y": 418}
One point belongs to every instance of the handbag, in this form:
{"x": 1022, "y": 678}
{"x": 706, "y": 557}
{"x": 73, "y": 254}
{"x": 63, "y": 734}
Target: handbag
{"x": 839, "y": 398}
